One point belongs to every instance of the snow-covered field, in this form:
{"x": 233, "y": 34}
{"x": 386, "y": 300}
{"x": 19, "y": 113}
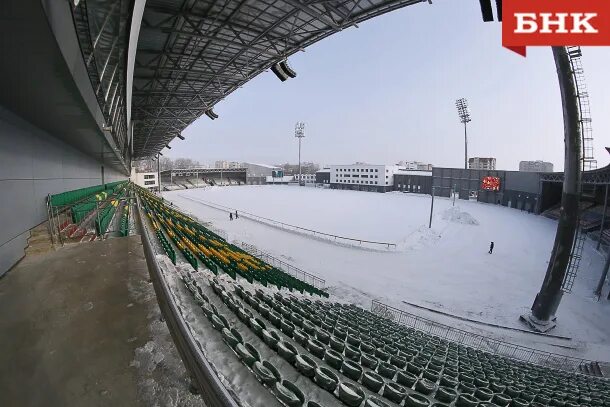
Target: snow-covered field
{"x": 446, "y": 268}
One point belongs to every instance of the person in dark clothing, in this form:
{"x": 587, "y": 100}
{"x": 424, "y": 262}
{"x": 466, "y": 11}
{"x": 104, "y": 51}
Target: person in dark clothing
{"x": 236, "y": 215}
{"x": 230, "y": 215}
{"x": 491, "y": 248}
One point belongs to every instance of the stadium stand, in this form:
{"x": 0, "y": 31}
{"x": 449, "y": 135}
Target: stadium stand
{"x": 553, "y": 213}
{"x": 173, "y": 187}
{"x": 196, "y": 182}
{"x": 197, "y": 242}
{"x": 86, "y": 213}
{"x": 74, "y": 196}
{"x": 363, "y": 359}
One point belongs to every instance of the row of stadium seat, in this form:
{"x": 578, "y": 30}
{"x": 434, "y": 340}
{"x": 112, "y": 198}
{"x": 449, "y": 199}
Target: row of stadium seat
{"x": 169, "y": 250}
{"x": 291, "y": 393}
{"x": 106, "y": 213}
{"x": 197, "y": 242}
{"x": 80, "y": 210}
{"x": 264, "y": 370}
{"x": 124, "y": 226}
{"x": 74, "y": 196}
{"x": 403, "y": 364}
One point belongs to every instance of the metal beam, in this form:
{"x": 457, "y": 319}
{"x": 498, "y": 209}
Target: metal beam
{"x": 314, "y": 13}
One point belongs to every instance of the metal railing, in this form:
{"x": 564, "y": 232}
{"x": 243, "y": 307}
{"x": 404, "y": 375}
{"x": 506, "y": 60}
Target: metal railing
{"x": 478, "y": 342}
{"x": 296, "y": 272}
{"x": 348, "y": 241}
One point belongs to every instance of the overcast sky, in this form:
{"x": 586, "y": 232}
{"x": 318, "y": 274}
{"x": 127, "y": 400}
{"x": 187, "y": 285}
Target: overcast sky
{"x": 386, "y": 91}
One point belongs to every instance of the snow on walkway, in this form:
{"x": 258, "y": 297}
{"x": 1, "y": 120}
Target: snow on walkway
{"x": 445, "y": 268}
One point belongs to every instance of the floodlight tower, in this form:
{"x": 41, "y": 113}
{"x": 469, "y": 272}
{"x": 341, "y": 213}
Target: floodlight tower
{"x": 464, "y": 114}
{"x": 299, "y": 132}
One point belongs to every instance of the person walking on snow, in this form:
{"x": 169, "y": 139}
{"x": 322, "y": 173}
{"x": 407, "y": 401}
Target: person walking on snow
{"x": 230, "y": 215}
{"x": 491, "y": 248}
{"x": 236, "y": 215}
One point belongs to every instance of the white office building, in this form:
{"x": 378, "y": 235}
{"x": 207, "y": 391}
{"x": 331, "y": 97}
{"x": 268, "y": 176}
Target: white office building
{"x": 535, "y": 166}
{"x": 415, "y": 165}
{"x": 482, "y": 163}
{"x": 307, "y": 178}
{"x": 363, "y": 177}
{"x": 225, "y": 165}
{"x": 146, "y": 180}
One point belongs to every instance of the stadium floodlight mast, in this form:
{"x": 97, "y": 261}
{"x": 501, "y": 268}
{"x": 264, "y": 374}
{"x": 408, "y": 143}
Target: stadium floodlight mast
{"x": 299, "y": 132}
{"x": 464, "y": 114}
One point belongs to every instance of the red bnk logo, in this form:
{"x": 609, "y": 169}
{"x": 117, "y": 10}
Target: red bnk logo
{"x": 554, "y": 23}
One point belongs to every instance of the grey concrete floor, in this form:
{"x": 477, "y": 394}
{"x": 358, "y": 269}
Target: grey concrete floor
{"x": 80, "y": 326}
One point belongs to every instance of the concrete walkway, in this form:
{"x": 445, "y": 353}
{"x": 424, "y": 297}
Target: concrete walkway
{"x": 81, "y": 327}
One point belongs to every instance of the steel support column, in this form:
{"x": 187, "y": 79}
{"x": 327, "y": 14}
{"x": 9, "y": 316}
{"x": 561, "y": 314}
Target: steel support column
{"x": 547, "y": 300}
{"x": 601, "y": 227}
{"x": 602, "y": 279}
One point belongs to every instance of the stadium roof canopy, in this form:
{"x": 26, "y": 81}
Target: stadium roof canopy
{"x": 193, "y": 53}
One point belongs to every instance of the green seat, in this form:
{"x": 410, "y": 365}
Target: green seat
{"x": 265, "y": 374}
{"x": 406, "y": 379}
{"x": 386, "y": 370}
{"x": 350, "y": 394}
{"x": 372, "y": 381}
{"x": 287, "y": 351}
{"x": 289, "y": 394}
{"x": 326, "y": 379}
{"x": 375, "y": 402}
{"x": 416, "y": 400}
{"x": 245, "y": 355}
{"x": 394, "y": 392}
{"x": 305, "y": 365}
{"x": 445, "y": 394}
{"x": 351, "y": 370}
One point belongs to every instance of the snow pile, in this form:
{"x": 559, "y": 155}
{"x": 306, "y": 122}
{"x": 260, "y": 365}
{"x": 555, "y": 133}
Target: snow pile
{"x": 421, "y": 238}
{"x": 455, "y": 215}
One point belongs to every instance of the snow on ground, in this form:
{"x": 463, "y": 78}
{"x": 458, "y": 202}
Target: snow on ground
{"x": 446, "y": 268}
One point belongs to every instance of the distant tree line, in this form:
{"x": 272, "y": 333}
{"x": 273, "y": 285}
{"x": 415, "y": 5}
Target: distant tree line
{"x": 166, "y": 163}
{"x": 306, "y": 168}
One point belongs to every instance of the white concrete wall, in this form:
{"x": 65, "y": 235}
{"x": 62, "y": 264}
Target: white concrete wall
{"x": 34, "y": 164}
{"x": 146, "y": 180}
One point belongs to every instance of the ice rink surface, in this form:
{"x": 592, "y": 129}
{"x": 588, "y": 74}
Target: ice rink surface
{"x": 446, "y": 268}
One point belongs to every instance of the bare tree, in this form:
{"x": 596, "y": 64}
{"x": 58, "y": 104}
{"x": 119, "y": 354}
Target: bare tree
{"x": 185, "y": 163}
{"x": 306, "y": 168}
{"x": 166, "y": 163}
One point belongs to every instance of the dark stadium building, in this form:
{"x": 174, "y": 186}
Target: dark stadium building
{"x": 323, "y": 176}
{"x": 514, "y": 189}
{"x": 419, "y": 182}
